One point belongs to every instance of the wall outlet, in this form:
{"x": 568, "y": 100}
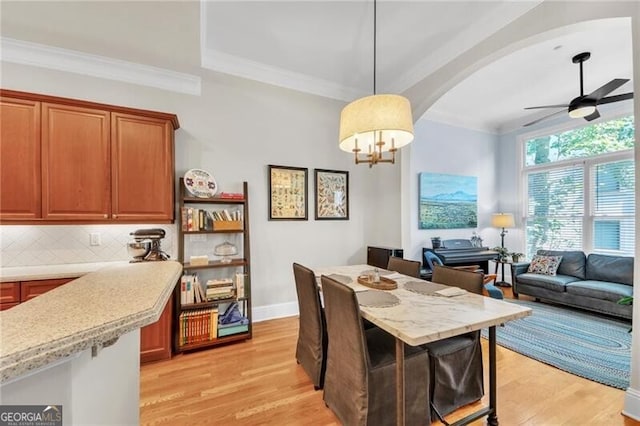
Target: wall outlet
{"x": 95, "y": 239}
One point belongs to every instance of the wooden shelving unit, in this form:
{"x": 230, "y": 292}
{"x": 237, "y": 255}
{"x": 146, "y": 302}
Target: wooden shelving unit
{"x": 240, "y": 264}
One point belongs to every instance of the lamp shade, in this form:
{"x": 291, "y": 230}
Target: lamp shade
{"x": 581, "y": 107}
{"x": 502, "y": 220}
{"x": 364, "y": 119}
{"x": 582, "y": 111}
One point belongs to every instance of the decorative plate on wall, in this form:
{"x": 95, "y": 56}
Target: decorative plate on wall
{"x": 200, "y": 183}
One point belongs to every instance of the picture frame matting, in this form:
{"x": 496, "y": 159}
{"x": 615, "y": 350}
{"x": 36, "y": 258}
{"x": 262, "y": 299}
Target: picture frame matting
{"x": 331, "y": 194}
{"x": 288, "y": 187}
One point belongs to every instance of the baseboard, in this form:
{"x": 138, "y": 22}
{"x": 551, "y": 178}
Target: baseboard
{"x": 281, "y": 310}
{"x": 632, "y": 404}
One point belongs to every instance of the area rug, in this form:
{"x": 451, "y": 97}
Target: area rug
{"x": 587, "y": 345}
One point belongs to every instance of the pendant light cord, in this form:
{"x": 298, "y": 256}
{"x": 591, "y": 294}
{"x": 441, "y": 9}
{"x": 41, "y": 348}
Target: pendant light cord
{"x": 374, "y": 45}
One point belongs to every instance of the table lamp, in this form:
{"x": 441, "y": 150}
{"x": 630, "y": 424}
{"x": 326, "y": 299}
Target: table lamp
{"x": 502, "y": 220}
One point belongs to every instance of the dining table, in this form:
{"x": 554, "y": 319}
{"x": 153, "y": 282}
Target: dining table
{"x": 419, "y": 312}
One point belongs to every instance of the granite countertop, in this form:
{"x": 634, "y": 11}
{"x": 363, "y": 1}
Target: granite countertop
{"x": 48, "y": 272}
{"x": 91, "y": 311}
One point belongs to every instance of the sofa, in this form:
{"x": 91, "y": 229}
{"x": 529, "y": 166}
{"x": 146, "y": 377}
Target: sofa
{"x": 595, "y": 282}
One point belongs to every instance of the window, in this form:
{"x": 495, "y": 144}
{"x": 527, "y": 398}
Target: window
{"x": 607, "y": 235}
{"x": 580, "y": 192}
{"x": 613, "y": 207}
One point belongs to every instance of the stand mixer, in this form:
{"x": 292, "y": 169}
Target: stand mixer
{"x": 147, "y": 245}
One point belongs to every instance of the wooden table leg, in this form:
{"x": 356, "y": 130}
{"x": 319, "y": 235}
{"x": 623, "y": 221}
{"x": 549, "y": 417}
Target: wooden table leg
{"x": 399, "y": 382}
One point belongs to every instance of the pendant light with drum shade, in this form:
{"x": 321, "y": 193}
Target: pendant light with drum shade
{"x": 374, "y": 125}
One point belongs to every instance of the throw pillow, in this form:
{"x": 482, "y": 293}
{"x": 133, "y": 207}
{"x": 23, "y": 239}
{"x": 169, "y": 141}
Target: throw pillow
{"x": 544, "y": 265}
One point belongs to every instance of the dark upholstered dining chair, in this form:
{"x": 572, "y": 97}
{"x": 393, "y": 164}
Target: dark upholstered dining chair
{"x": 456, "y": 362}
{"x": 404, "y": 266}
{"x": 311, "y": 350}
{"x": 493, "y": 291}
{"x": 360, "y": 381}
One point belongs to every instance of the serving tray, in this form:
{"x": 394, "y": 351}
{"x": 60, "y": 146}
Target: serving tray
{"x": 383, "y": 284}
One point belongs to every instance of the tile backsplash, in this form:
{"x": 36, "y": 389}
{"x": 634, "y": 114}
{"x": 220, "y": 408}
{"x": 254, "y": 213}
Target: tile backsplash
{"x": 33, "y": 245}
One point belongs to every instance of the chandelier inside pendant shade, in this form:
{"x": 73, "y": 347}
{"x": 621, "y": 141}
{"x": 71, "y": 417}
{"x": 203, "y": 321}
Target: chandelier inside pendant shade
{"x": 367, "y": 121}
{"x": 374, "y": 125}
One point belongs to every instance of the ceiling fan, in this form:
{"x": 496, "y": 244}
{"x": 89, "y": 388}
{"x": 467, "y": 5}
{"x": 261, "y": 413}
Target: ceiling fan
{"x": 584, "y": 106}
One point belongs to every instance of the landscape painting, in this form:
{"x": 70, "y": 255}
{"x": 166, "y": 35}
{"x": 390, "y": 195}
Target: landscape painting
{"x": 448, "y": 201}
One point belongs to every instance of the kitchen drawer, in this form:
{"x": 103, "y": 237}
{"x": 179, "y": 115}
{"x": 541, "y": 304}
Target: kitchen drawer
{"x": 10, "y": 292}
{"x": 31, "y": 289}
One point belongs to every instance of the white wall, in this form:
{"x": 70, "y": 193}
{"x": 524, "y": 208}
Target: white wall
{"x": 234, "y": 130}
{"x": 441, "y": 148}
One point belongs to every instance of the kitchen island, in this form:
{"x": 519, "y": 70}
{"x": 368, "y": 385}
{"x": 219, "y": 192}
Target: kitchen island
{"x": 78, "y": 345}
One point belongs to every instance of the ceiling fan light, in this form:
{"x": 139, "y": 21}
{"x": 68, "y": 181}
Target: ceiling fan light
{"x": 581, "y": 111}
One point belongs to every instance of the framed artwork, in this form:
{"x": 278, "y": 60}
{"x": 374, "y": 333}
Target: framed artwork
{"x": 332, "y": 194}
{"x": 448, "y": 201}
{"x": 287, "y": 193}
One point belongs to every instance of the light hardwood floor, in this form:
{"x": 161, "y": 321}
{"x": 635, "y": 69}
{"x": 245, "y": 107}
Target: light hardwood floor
{"x": 259, "y": 383}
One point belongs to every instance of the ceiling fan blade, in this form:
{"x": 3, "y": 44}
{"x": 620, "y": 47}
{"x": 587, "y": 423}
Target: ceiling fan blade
{"x": 615, "y": 98}
{"x": 607, "y": 88}
{"x": 544, "y": 118}
{"x": 593, "y": 116}
{"x": 549, "y": 106}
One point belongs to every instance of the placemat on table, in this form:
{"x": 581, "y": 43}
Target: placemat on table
{"x": 377, "y": 299}
{"x": 424, "y": 288}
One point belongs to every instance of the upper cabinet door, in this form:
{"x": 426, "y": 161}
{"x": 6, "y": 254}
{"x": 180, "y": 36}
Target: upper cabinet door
{"x": 75, "y": 163}
{"x": 19, "y": 159}
{"x": 142, "y": 168}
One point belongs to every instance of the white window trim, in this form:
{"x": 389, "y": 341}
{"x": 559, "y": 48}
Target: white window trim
{"x": 586, "y": 163}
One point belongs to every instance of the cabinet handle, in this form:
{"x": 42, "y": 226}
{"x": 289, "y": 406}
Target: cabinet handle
{"x": 115, "y": 216}
{"x": 106, "y": 216}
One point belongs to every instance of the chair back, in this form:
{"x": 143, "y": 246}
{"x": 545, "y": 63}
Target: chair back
{"x": 468, "y": 280}
{"x": 431, "y": 259}
{"x": 347, "y": 357}
{"x": 404, "y": 266}
{"x": 312, "y": 336}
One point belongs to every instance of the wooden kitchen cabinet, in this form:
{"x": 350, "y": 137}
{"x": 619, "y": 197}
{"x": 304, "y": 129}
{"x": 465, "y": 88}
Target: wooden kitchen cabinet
{"x": 31, "y": 289}
{"x": 75, "y": 163}
{"x": 142, "y": 168}
{"x": 9, "y": 295}
{"x": 65, "y": 160}
{"x": 15, "y": 292}
{"x": 155, "y": 339}
{"x": 20, "y": 196}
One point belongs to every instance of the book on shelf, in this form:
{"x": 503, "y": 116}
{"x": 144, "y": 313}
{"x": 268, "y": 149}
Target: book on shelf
{"x": 194, "y": 219}
{"x": 219, "y": 282}
{"x": 198, "y": 325}
{"x": 231, "y": 195}
{"x": 239, "y": 285}
{"x": 217, "y": 289}
{"x": 191, "y": 290}
{"x": 220, "y": 293}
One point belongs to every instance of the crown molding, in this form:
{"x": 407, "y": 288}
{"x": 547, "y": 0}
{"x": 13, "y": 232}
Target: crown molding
{"x": 216, "y": 60}
{"x": 44, "y": 56}
{"x": 258, "y": 71}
